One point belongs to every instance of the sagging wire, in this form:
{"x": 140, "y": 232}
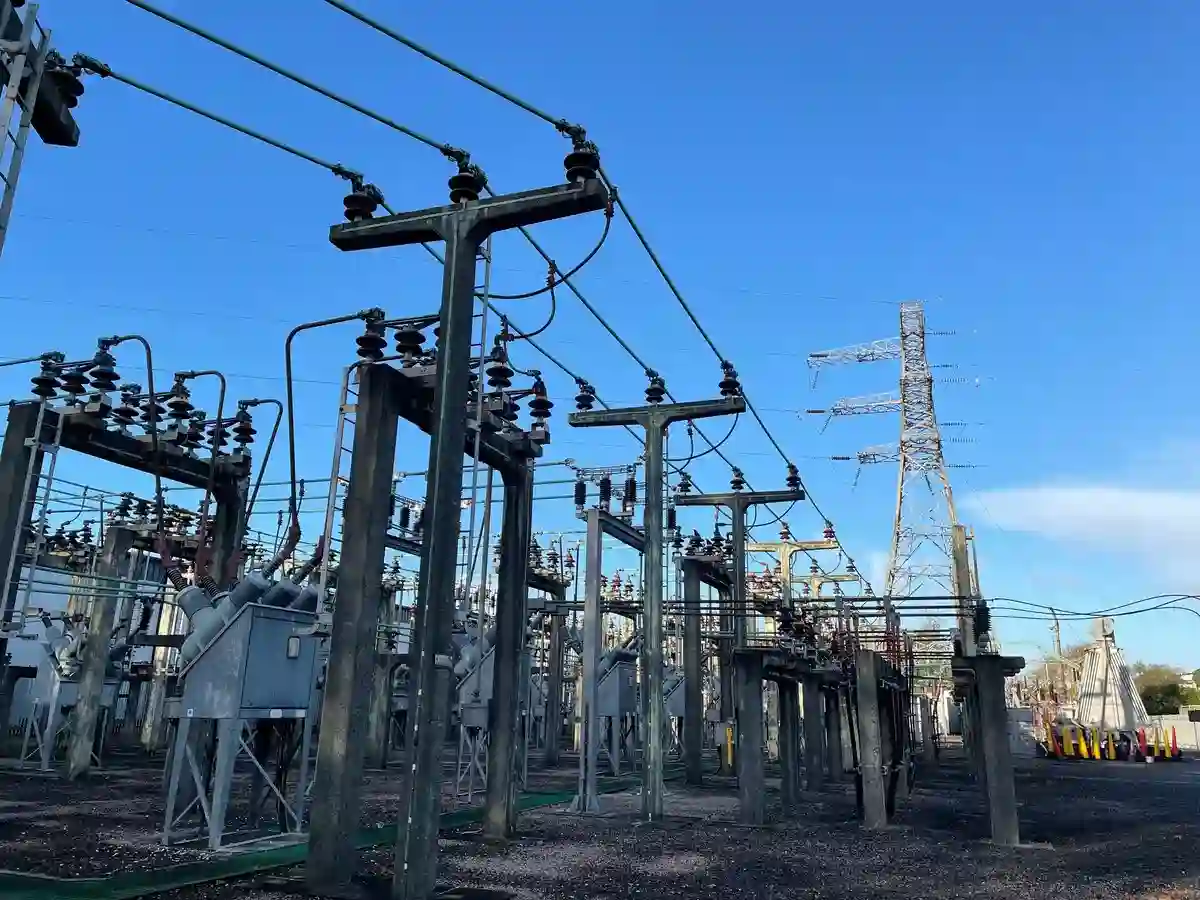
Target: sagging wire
{"x": 693, "y": 455}
{"x": 462, "y": 158}
{"x": 551, "y": 284}
{"x": 366, "y": 315}
{"x": 454, "y": 154}
{"x": 459, "y": 156}
{"x": 577, "y": 133}
{"x": 524, "y": 336}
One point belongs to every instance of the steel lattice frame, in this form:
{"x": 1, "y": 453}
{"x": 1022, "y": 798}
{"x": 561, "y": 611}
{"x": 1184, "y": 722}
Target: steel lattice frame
{"x": 920, "y": 555}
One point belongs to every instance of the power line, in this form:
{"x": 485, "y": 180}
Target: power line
{"x": 449, "y": 151}
{"x": 577, "y": 132}
{"x": 461, "y": 157}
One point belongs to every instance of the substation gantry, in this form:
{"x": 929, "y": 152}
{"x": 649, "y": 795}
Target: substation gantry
{"x": 157, "y": 433}
{"x": 434, "y": 393}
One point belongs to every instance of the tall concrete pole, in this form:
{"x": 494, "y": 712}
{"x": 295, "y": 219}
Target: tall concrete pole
{"x": 109, "y": 567}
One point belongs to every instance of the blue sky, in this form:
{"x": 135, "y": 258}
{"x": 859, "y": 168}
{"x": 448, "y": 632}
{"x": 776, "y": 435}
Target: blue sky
{"x": 1026, "y": 170}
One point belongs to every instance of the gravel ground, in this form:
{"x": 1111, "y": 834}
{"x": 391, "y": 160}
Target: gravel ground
{"x": 1095, "y": 830}
{"x": 110, "y": 821}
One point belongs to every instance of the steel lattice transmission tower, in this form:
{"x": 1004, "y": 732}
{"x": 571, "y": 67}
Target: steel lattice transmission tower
{"x": 928, "y": 552}
{"x": 921, "y": 555}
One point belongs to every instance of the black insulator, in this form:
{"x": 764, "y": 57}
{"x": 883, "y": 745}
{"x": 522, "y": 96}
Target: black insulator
{"x": 677, "y": 541}
{"x": 405, "y": 517}
{"x": 672, "y": 518}
{"x": 151, "y": 406}
{"x": 851, "y": 569}
{"x": 695, "y": 544}
{"x": 738, "y": 480}
{"x": 729, "y": 385}
{"x": 685, "y": 484}
{"x": 656, "y": 390}
{"x": 540, "y": 405}
{"x": 45, "y": 382}
{"x": 580, "y": 493}
{"x": 499, "y": 373}
{"x": 582, "y": 163}
{"x": 361, "y": 203}
{"x": 70, "y": 88}
{"x": 142, "y": 510}
{"x": 630, "y": 491}
{"x": 793, "y": 478}
{"x": 74, "y": 382}
{"x": 830, "y": 534}
{"x": 605, "y": 492}
{"x": 195, "y": 435}
{"x": 124, "y": 507}
{"x": 466, "y": 184}
{"x": 218, "y": 437}
{"x": 243, "y": 428}
{"x": 126, "y": 414}
{"x": 85, "y": 533}
{"x": 104, "y": 375}
{"x": 785, "y": 533}
{"x": 510, "y": 410}
{"x": 179, "y": 404}
{"x": 586, "y": 398}
{"x": 983, "y": 619}
{"x": 409, "y": 341}
{"x": 372, "y": 341}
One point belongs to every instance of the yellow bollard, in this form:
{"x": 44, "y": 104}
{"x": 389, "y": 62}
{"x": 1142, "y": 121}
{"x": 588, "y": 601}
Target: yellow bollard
{"x": 1083, "y": 747}
{"x": 1068, "y": 742}
{"x": 1051, "y": 743}
{"x": 1112, "y": 745}
{"x": 1160, "y": 744}
{"x": 729, "y": 745}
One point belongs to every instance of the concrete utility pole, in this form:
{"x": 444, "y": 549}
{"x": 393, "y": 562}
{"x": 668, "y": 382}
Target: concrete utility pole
{"x": 654, "y": 420}
{"x": 737, "y": 502}
{"x": 463, "y": 227}
{"x": 110, "y": 566}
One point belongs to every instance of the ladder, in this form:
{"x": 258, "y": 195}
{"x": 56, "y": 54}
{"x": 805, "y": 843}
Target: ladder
{"x": 339, "y": 471}
{"x": 25, "y": 60}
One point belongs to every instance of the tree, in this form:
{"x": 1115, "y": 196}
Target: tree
{"x": 1159, "y": 688}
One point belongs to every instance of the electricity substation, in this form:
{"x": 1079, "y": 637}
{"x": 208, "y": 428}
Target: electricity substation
{"x": 332, "y": 683}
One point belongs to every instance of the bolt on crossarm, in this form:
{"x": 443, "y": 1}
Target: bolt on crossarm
{"x": 654, "y": 418}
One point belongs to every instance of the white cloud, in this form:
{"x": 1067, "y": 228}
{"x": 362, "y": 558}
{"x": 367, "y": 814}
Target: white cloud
{"x": 1160, "y": 526}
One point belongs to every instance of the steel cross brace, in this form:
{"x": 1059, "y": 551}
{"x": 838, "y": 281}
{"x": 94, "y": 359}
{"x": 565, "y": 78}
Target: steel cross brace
{"x": 463, "y": 227}
{"x": 654, "y": 420}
